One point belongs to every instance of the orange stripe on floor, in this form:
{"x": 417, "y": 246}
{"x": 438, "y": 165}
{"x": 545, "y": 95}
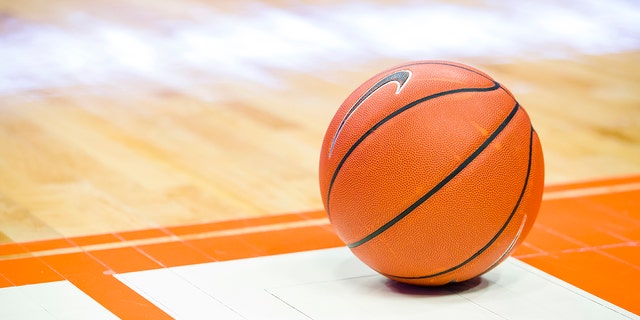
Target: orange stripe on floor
{"x": 160, "y": 235}
{"x": 28, "y": 271}
{"x": 587, "y": 234}
{"x": 89, "y": 262}
{"x": 591, "y": 239}
{"x": 96, "y": 279}
{"x": 4, "y": 282}
{"x": 613, "y": 181}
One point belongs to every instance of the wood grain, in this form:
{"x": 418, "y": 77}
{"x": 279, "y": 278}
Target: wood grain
{"x": 86, "y": 152}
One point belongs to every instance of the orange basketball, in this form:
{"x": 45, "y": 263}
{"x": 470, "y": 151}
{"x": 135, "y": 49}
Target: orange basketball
{"x": 431, "y": 172}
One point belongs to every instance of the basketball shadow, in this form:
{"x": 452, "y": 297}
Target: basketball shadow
{"x": 470, "y": 285}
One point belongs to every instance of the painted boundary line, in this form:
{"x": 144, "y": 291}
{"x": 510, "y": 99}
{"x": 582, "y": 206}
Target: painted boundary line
{"x": 252, "y": 225}
{"x": 567, "y": 245}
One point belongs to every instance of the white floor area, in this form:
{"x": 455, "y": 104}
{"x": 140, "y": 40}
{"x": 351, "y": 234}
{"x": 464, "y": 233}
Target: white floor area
{"x": 333, "y": 284}
{"x": 46, "y": 301}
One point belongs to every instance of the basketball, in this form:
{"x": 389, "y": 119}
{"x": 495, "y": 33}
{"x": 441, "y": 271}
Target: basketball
{"x": 431, "y": 172}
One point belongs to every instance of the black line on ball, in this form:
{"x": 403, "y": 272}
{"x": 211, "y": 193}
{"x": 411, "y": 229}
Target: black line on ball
{"x": 389, "y": 117}
{"x": 510, "y": 248}
{"x": 442, "y": 63}
{"x": 441, "y": 184}
{"x": 497, "y": 235}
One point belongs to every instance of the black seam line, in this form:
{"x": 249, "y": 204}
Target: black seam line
{"x": 389, "y": 117}
{"x": 512, "y": 246}
{"x": 442, "y": 183}
{"x": 495, "y": 237}
{"x": 442, "y": 64}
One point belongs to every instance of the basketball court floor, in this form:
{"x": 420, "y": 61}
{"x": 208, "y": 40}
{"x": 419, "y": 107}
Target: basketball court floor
{"x": 159, "y": 160}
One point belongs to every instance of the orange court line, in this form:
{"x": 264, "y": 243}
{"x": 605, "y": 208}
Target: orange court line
{"x": 586, "y": 234}
{"x": 27, "y": 271}
{"x": 590, "y": 238}
{"x": 589, "y": 191}
{"x": 611, "y": 181}
{"x": 96, "y": 279}
{"x": 4, "y": 282}
{"x": 157, "y": 236}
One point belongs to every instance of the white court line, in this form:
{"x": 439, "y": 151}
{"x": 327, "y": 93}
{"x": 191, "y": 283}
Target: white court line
{"x": 592, "y": 191}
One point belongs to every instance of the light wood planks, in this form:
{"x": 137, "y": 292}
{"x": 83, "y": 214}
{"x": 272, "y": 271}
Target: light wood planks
{"x": 131, "y": 152}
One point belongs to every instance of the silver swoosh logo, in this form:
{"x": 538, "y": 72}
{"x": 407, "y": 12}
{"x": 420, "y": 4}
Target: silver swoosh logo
{"x": 399, "y": 77}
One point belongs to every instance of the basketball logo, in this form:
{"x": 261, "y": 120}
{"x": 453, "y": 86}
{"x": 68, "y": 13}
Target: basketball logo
{"x": 399, "y": 77}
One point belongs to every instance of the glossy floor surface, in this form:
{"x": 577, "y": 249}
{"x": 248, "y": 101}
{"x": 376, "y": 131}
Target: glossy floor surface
{"x": 147, "y": 135}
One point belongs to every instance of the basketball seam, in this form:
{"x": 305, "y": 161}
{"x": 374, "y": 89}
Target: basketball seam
{"x": 512, "y": 246}
{"x": 497, "y": 235}
{"x": 389, "y": 117}
{"x": 443, "y": 64}
{"x": 442, "y": 182}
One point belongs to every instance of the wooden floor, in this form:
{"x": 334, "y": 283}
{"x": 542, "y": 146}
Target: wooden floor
{"x": 118, "y": 116}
